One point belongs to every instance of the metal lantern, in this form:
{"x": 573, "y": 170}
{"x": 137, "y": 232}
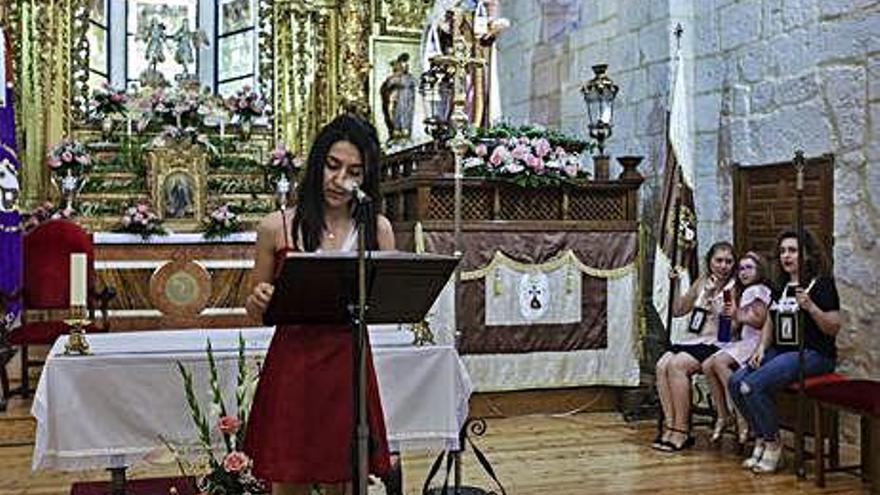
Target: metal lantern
{"x": 435, "y": 94}
{"x": 599, "y": 94}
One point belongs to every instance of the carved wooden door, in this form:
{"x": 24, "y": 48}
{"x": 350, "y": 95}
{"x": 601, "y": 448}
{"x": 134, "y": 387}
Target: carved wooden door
{"x": 764, "y": 203}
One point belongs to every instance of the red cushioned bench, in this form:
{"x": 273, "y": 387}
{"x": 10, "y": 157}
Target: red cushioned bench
{"x": 831, "y": 422}
{"x": 861, "y": 397}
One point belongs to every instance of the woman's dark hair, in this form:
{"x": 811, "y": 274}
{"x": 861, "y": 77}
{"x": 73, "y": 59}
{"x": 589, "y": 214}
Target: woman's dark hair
{"x": 815, "y": 262}
{"x": 309, "y": 217}
{"x": 714, "y": 248}
{"x": 762, "y": 269}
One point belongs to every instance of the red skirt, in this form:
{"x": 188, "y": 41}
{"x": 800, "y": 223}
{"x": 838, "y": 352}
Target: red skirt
{"x": 300, "y": 426}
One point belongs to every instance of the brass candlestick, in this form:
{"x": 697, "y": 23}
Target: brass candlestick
{"x": 76, "y": 339}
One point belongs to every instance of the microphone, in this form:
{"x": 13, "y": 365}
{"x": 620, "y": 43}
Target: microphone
{"x": 356, "y": 192}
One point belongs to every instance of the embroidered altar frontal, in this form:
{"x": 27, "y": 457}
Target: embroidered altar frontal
{"x": 520, "y": 277}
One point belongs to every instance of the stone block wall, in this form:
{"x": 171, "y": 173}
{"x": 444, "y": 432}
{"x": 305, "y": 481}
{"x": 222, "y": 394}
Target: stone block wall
{"x": 765, "y": 77}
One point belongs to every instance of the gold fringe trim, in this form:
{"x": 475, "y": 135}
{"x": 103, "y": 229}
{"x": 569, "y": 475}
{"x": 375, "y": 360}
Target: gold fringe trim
{"x": 566, "y": 258}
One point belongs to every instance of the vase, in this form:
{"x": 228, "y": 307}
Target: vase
{"x": 69, "y": 185}
{"x": 630, "y": 164}
{"x": 244, "y": 130}
{"x": 108, "y": 125}
{"x": 282, "y": 191}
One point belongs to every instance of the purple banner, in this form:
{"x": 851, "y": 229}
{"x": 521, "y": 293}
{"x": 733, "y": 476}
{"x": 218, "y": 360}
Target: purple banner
{"x": 10, "y": 218}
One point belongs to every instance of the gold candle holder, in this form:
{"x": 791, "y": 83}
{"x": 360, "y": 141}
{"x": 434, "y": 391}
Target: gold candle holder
{"x": 76, "y": 339}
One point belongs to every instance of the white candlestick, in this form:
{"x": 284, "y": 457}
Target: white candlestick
{"x": 129, "y": 128}
{"x": 222, "y": 128}
{"x": 77, "y": 280}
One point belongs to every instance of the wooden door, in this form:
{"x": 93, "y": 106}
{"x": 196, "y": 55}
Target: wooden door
{"x": 764, "y": 202}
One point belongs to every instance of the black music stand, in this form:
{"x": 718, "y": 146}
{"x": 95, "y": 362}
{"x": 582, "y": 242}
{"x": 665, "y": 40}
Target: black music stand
{"x": 322, "y": 288}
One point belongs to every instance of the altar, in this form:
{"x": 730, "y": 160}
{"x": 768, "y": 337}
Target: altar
{"x": 111, "y": 409}
{"x": 177, "y": 280}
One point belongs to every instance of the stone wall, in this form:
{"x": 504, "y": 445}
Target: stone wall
{"x": 765, "y": 77}
{"x": 773, "y": 76}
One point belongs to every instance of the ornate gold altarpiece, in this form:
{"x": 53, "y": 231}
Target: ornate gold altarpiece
{"x": 314, "y": 61}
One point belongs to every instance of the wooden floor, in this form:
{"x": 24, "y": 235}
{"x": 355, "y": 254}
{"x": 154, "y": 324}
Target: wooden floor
{"x": 596, "y": 453}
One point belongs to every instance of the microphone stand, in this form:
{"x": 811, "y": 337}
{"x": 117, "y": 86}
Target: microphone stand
{"x": 361, "y": 433}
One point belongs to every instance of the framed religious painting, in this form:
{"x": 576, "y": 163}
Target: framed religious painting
{"x": 394, "y": 98}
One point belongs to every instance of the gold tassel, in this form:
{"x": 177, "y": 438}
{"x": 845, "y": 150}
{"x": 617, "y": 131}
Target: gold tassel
{"x": 496, "y": 283}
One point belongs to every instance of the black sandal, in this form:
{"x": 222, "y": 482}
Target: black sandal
{"x": 689, "y": 442}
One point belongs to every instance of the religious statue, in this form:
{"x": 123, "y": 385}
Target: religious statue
{"x": 187, "y": 42}
{"x": 178, "y": 196}
{"x": 398, "y": 93}
{"x": 480, "y": 30}
{"x": 155, "y": 37}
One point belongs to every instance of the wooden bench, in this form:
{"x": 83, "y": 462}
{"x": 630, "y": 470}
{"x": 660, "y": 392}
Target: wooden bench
{"x": 787, "y": 410}
{"x": 861, "y": 397}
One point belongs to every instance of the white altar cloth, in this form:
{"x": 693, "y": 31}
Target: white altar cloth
{"x": 110, "y": 408}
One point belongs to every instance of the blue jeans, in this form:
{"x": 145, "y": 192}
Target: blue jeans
{"x": 752, "y": 390}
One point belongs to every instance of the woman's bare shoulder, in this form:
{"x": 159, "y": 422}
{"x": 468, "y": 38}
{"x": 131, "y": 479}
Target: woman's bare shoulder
{"x": 274, "y": 222}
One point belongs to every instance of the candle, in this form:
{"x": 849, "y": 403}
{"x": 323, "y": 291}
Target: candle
{"x": 419, "y": 238}
{"x": 128, "y": 125}
{"x": 222, "y": 128}
{"x": 78, "y": 280}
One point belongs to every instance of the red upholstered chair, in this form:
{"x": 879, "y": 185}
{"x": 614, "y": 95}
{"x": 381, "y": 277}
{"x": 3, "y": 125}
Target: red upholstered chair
{"x": 46, "y": 289}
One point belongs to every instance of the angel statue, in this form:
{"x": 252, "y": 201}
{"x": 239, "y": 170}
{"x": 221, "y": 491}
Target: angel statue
{"x": 187, "y": 42}
{"x": 155, "y": 37}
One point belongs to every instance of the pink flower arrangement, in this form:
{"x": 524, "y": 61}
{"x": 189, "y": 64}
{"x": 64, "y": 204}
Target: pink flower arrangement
{"x": 283, "y": 163}
{"x": 69, "y": 155}
{"x": 246, "y": 105}
{"x": 222, "y": 222}
{"x": 184, "y": 107}
{"x": 47, "y": 211}
{"x": 141, "y": 219}
{"x": 107, "y": 101}
{"x": 230, "y": 473}
{"x": 528, "y": 162}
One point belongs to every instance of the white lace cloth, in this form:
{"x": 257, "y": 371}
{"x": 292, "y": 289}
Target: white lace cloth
{"x": 109, "y": 409}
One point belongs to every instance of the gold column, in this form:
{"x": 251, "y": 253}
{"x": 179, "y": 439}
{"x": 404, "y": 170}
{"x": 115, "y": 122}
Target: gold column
{"x": 41, "y": 41}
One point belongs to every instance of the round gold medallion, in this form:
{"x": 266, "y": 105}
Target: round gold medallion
{"x": 180, "y": 288}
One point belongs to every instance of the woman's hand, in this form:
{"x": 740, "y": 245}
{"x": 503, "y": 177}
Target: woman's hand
{"x": 803, "y": 300}
{"x": 258, "y": 301}
{"x": 757, "y": 357}
{"x": 729, "y": 310}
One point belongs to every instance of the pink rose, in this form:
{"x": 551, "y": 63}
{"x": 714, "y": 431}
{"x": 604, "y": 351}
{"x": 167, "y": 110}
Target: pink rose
{"x": 84, "y": 159}
{"x": 66, "y": 156}
{"x": 141, "y": 208}
{"x": 235, "y": 462}
{"x": 54, "y": 162}
{"x": 481, "y": 150}
{"x": 499, "y": 154}
{"x": 534, "y": 162}
{"x": 520, "y": 152}
{"x": 541, "y": 146}
{"x": 228, "y": 424}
